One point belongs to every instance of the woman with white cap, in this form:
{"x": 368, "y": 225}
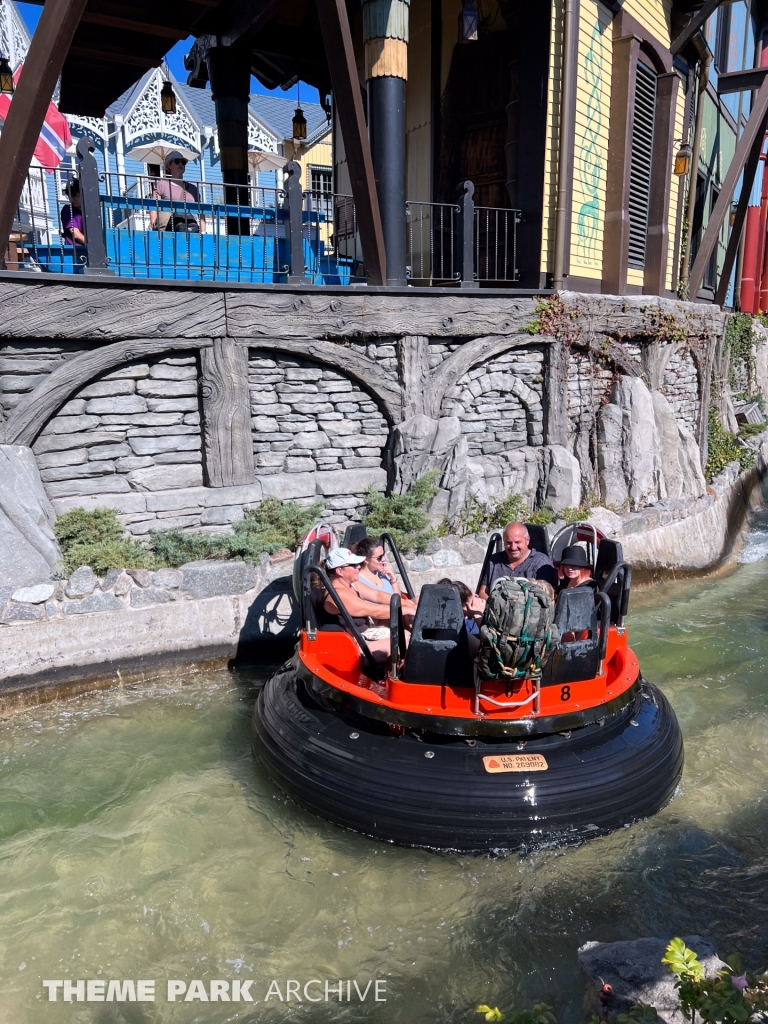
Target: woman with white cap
{"x": 175, "y": 188}
{"x": 371, "y": 618}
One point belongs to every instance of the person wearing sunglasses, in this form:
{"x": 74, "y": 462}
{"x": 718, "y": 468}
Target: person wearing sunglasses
{"x": 377, "y": 576}
{"x": 181, "y": 192}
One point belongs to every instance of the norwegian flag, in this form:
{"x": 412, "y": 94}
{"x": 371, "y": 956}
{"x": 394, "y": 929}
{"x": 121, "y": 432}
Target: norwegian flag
{"x": 54, "y": 138}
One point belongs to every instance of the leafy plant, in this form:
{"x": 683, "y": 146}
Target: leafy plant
{"x": 574, "y": 515}
{"x": 723, "y": 447}
{"x": 402, "y": 515}
{"x": 539, "y": 1013}
{"x": 271, "y": 525}
{"x": 732, "y": 996}
{"x": 739, "y": 342}
{"x": 640, "y": 1013}
{"x": 95, "y": 537}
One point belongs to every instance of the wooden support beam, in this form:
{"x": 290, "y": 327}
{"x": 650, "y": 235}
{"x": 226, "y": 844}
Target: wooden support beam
{"x": 131, "y": 25}
{"x": 740, "y": 81}
{"x": 694, "y": 25}
{"x": 112, "y": 56}
{"x": 741, "y": 214}
{"x": 42, "y": 67}
{"x": 752, "y": 130}
{"x": 226, "y": 414}
{"x": 346, "y": 93}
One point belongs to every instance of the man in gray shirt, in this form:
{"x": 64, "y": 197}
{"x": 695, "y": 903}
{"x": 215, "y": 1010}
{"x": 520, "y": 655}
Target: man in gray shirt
{"x": 516, "y": 559}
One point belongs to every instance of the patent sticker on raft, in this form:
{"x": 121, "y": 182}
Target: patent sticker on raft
{"x": 515, "y": 763}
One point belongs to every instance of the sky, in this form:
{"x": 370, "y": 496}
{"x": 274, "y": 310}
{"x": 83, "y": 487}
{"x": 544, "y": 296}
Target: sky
{"x": 175, "y": 58}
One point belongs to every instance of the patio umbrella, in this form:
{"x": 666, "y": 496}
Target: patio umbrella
{"x": 258, "y": 161}
{"x": 158, "y": 150}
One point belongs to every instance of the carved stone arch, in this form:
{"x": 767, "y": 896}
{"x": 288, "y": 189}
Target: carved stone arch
{"x": 529, "y": 400}
{"x": 31, "y": 415}
{"x": 381, "y": 387}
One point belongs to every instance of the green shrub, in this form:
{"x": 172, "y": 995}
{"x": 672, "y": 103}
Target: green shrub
{"x": 271, "y": 525}
{"x": 723, "y": 448}
{"x": 95, "y": 538}
{"x": 574, "y": 515}
{"x": 733, "y": 996}
{"x": 402, "y": 515}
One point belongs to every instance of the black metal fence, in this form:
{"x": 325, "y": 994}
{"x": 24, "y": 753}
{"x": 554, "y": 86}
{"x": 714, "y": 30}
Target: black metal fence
{"x": 143, "y": 227}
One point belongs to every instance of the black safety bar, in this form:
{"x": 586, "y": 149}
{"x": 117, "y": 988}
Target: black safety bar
{"x": 623, "y": 601}
{"x": 310, "y": 620}
{"x": 396, "y": 635}
{"x": 605, "y": 625}
{"x": 494, "y": 545}
{"x": 389, "y": 539}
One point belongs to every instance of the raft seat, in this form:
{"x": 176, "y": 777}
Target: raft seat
{"x": 438, "y": 652}
{"x": 570, "y": 661}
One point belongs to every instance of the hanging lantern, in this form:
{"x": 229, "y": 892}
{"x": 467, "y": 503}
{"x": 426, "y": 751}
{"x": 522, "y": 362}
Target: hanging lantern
{"x": 468, "y": 22}
{"x": 168, "y": 98}
{"x": 683, "y": 160}
{"x": 299, "y": 125}
{"x": 6, "y": 76}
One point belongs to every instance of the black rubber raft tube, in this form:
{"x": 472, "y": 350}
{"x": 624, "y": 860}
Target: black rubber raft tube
{"x": 434, "y": 792}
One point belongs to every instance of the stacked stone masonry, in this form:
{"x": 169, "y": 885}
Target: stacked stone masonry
{"x": 325, "y": 383}
{"x": 680, "y": 385}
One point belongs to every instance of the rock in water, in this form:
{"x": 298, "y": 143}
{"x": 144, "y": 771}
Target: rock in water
{"x": 29, "y": 550}
{"x": 636, "y": 974}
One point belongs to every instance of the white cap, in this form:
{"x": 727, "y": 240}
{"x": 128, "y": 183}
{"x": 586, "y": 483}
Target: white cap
{"x": 175, "y": 155}
{"x": 342, "y": 556}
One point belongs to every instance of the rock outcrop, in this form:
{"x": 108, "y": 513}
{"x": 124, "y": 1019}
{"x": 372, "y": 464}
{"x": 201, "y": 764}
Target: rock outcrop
{"x": 29, "y": 550}
{"x": 645, "y": 454}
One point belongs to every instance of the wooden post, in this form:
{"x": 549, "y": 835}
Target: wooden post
{"x": 295, "y": 222}
{"x": 753, "y": 128}
{"x": 45, "y": 59}
{"x": 227, "y": 440}
{"x": 413, "y": 373}
{"x": 346, "y": 93}
{"x": 89, "y": 194}
{"x": 466, "y": 235}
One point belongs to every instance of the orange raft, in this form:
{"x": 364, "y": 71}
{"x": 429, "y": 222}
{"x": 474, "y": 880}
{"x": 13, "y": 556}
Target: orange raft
{"x": 417, "y": 752}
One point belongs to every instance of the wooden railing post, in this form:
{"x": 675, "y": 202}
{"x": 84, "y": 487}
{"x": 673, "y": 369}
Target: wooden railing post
{"x": 465, "y": 232}
{"x": 295, "y": 222}
{"x": 89, "y": 196}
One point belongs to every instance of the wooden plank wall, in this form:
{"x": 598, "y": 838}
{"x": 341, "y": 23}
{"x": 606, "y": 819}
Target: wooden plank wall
{"x": 676, "y": 196}
{"x": 553, "y": 135}
{"x": 593, "y": 104}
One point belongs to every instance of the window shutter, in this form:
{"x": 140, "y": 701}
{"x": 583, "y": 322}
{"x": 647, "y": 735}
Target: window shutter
{"x": 640, "y": 168}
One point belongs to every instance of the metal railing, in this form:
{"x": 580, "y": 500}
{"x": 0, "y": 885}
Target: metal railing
{"x": 144, "y": 227}
{"x": 495, "y": 244}
{"x": 432, "y": 249}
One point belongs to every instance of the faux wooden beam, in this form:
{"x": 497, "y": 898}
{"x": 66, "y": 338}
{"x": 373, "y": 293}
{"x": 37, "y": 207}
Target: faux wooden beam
{"x": 227, "y": 442}
{"x": 740, "y": 81}
{"x": 346, "y": 93}
{"x": 734, "y": 239}
{"x": 144, "y": 28}
{"x": 33, "y": 412}
{"x": 752, "y": 130}
{"x": 42, "y": 67}
{"x": 694, "y": 25}
{"x": 413, "y": 372}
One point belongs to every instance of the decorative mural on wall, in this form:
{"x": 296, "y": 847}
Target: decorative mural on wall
{"x": 590, "y": 152}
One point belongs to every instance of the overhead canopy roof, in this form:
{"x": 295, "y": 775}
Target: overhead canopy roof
{"x": 117, "y": 42}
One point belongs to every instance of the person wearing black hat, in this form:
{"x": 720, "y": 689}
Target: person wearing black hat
{"x": 574, "y": 568}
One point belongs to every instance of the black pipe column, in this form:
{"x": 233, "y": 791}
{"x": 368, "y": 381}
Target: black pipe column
{"x": 385, "y": 31}
{"x": 229, "y": 70}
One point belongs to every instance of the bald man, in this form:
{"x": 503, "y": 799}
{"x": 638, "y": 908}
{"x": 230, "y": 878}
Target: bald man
{"x": 516, "y": 559}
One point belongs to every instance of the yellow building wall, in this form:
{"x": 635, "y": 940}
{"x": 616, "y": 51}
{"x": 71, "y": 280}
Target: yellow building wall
{"x": 590, "y": 156}
{"x": 418, "y": 128}
{"x": 553, "y": 136}
{"x": 675, "y": 195}
{"x": 320, "y": 154}
{"x": 655, "y": 15}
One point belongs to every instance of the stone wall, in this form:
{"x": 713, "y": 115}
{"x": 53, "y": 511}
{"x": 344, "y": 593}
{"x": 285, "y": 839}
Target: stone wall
{"x": 182, "y": 406}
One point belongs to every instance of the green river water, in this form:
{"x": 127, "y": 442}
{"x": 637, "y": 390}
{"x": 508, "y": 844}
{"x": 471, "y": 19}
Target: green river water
{"x": 138, "y": 840}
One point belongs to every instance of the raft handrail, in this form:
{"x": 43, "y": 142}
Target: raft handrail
{"x": 626, "y": 585}
{"x": 397, "y": 643}
{"x": 493, "y": 546}
{"x": 400, "y": 564}
{"x": 310, "y": 621}
{"x": 574, "y": 527}
{"x": 604, "y": 629}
